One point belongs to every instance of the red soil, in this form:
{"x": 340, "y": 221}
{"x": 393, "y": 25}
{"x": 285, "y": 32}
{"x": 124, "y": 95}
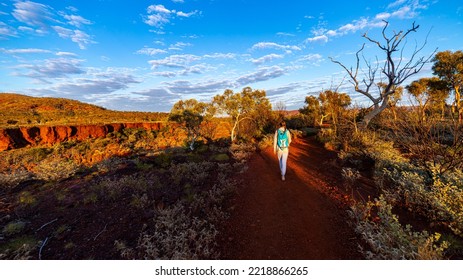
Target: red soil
{"x": 303, "y": 217}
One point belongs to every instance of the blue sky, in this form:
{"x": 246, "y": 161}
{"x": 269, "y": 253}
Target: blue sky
{"x": 146, "y": 55}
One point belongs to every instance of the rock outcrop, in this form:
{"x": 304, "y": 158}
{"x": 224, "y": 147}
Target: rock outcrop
{"x": 13, "y": 138}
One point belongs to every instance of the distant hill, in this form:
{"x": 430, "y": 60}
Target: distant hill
{"x": 22, "y": 110}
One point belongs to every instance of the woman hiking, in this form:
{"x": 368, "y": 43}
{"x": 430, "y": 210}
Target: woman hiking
{"x": 281, "y": 142}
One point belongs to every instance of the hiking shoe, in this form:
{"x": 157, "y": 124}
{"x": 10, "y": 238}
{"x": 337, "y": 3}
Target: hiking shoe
{"x": 282, "y": 178}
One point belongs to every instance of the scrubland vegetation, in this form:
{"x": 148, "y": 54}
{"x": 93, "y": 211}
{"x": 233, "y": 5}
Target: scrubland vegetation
{"x": 163, "y": 194}
{"x": 416, "y": 157}
{"x": 20, "y": 110}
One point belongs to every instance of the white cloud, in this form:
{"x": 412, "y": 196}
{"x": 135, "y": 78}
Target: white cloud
{"x": 266, "y": 58}
{"x": 77, "y": 36}
{"x": 396, "y": 3}
{"x": 221, "y": 56}
{"x": 7, "y": 31}
{"x": 157, "y": 20}
{"x": 313, "y": 58}
{"x": 66, "y": 54}
{"x": 401, "y": 9}
{"x": 50, "y": 69}
{"x": 285, "y": 34}
{"x": 158, "y": 15}
{"x": 354, "y": 26}
{"x": 150, "y": 51}
{"x": 284, "y": 89}
{"x": 272, "y": 45}
{"x": 262, "y": 74}
{"x": 174, "y": 61}
{"x": 331, "y": 33}
{"x": 40, "y": 19}
{"x": 318, "y": 39}
{"x": 72, "y": 9}
{"x": 383, "y": 16}
{"x": 187, "y": 87}
{"x": 76, "y": 20}
{"x": 179, "y": 46}
{"x": 187, "y": 15}
{"x": 33, "y": 14}
{"x": 97, "y": 83}
{"x": 158, "y": 9}
{"x": 208, "y": 86}
{"x": 404, "y": 12}
{"x": 24, "y": 51}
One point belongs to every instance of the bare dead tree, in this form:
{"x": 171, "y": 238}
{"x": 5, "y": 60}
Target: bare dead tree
{"x": 395, "y": 70}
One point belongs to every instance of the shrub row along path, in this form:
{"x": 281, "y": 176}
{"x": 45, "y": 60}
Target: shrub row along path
{"x": 299, "y": 218}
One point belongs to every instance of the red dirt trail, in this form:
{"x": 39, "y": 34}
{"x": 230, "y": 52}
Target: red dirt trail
{"x": 295, "y": 219}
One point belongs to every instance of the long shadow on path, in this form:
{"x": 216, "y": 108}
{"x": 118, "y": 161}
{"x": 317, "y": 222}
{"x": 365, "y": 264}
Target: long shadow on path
{"x": 273, "y": 219}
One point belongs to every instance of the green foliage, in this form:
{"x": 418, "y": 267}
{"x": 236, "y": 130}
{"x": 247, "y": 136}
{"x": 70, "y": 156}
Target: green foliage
{"x": 19, "y": 248}
{"x": 221, "y": 157}
{"x": 388, "y": 239}
{"x": 248, "y": 105}
{"x": 27, "y": 199}
{"x": 190, "y": 114}
{"x": 186, "y": 228}
{"x": 13, "y": 228}
{"x": 448, "y": 66}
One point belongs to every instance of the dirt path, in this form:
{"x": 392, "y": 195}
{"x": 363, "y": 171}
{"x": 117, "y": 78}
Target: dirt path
{"x": 294, "y": 219}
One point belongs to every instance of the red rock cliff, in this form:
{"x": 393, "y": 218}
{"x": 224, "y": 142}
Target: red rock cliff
{"x": 12, "y": 138}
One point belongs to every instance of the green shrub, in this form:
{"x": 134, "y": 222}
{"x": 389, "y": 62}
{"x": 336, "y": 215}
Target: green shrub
{"x": 388, "y": 239}
{"x": 221, "y": 157}
{"x": 13, "y": 228}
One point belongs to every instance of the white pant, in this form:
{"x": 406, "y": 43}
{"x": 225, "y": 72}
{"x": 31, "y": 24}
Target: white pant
{"x": 282, "y": 158}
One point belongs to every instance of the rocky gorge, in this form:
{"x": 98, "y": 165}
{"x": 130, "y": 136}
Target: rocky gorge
{"x": 20, "y": 137}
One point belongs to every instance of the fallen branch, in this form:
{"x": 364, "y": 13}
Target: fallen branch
{"x": 41, "y": 247}
{"x": 100, "y": 232}
{"x": 47, "y": 224}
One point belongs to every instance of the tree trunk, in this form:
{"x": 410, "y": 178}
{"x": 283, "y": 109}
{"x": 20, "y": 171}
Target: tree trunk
{"x": 376, "y": 110}
{"x": 458, "y": 104}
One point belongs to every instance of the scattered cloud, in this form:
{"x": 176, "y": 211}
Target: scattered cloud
{"x": 400, "y": 9}
{"x": 284, "y": 89}
{"x": 179, "y": 46}
{"x": 221, "y": 56}
{"x": 285, "y": 34}
{"x": 158, "y": 15}
{"x": 40, "y": 19}
{"x": 187, "y": 15}
{"x": 34, "y": 14}
{"x": 318, "y": 39}
{"x": 77, "y": 36}
{"x": 174, "y": 61}
{"x": 7, "y": 31}
{"x": 150, "y": 51}
{"x": 24, "y": 51}
{"x": 271, "y": 45}
{"x": 262, "y": 74}
{"x": 96, "y": 83}
{"x": 66, "y": 54}
{"x": 50, "y": 69}
{"x": 209, "y": 86}
{"x": 396, "y": 3}
{"x": 313, "y": 59}
{"x": 266, "y": 58}
{"x": 76, "y": 20}
{"x": 187, "y": 87}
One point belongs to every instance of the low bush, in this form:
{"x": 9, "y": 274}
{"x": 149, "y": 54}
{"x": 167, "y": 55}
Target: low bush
{"x": 387, "y": 239}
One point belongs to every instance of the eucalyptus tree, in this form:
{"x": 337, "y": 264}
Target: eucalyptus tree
{"x": 249, "y": 104}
